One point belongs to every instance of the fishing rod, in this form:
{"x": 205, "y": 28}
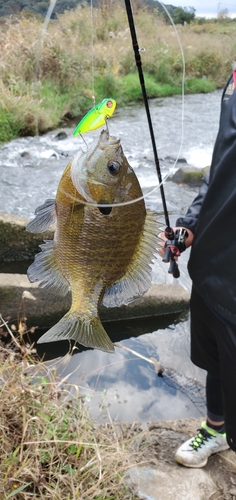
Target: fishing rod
{"x": 175, "y": 243}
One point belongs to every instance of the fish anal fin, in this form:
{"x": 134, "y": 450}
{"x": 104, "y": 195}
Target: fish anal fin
{"x": 137, "y": 279}
{"x": 45, "y": 216}
{"x": 87, "y": 331}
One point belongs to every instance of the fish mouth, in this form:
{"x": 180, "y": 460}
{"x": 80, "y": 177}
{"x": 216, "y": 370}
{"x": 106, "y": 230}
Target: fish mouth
{"x": 107, "y": 139}
{"x": 105, "y": 210}
{"x": 106, "y": 207}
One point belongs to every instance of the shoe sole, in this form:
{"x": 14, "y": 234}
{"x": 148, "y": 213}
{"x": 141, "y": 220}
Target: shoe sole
{"x": 180, "y": 461}
{"x": 193, "y": 466}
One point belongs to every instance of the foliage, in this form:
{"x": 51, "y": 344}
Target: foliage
{"x": 9, "y": 128}
{"x": 182, "y": 16}
{"x": 130, "y": 86}
{"x": 8, "y": 7}
{"x": 179, "y": 15}
{"x": 196, "y": 86}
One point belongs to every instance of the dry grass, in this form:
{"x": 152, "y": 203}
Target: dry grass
{"x": 46, "y": 76}
{"x": 49, "y": 447}
{"x": 64, "y": 54}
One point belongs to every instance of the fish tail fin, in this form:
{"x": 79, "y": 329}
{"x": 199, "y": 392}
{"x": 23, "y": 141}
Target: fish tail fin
{"x": 87, "y": 331}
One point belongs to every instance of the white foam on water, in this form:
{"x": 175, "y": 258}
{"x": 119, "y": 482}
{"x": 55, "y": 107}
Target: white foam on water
{"x": 199, "y": 157}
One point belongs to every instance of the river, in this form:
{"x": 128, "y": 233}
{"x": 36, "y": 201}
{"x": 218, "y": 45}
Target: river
{"x": 122, "y": 386}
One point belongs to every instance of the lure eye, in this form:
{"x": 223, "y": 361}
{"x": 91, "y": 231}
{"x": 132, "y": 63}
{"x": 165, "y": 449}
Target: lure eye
{"x": 113, "y": 167}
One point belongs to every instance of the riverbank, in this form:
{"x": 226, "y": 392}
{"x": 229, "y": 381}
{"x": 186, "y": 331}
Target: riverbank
{"x": 48, "y": 79}
{"x": 50, "y": 448}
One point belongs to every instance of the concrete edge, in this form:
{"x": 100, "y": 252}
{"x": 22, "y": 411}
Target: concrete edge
{"x": 20, "y": 297}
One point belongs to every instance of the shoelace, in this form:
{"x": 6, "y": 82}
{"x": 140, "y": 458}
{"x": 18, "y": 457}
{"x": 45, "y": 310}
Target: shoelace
{"x": 202, "y": 436}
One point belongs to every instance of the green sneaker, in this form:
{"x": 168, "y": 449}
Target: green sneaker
{"x": 196, "y": 451}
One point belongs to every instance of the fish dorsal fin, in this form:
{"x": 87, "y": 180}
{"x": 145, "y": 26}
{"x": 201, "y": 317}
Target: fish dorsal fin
{"x": 137, "y": 279}
{"x": 45, "y": 269}
{"x": 45, "y": 216}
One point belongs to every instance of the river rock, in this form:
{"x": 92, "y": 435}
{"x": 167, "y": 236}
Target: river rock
{"x": 192, "y": 176}
{"x": 153, "y": 473}
{"x": 61, "y": 136}
{"x": 166, "y": 482}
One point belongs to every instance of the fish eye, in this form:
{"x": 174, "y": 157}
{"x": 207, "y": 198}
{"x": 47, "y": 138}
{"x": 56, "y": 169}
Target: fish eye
{"x": 113, "y": 167}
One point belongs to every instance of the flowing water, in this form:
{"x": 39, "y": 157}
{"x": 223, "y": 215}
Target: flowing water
{"x": 123, "y": 386}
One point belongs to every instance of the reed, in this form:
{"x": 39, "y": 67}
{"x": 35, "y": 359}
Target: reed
{"x": 48, "y": 78}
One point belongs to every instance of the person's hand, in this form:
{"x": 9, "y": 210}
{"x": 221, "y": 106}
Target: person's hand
{"x": 188, "y": 241}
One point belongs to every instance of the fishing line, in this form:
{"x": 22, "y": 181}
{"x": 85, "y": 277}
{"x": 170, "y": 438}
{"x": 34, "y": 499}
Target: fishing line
{"x": 138, "y": 61}
{"x": 107, "y": 205}
{"x": 145, "y": 99}
{"x": 92, "y": 51}
{"x": 40, "y": 45}
{"x": 162, "y": 179}
{"x": 172, "y": 170}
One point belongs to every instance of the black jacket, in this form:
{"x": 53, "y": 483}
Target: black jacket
{"x": 212, "y": 218}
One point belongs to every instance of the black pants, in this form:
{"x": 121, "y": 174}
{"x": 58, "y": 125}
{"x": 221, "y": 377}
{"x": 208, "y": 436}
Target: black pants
{"x": 213, "y": 348}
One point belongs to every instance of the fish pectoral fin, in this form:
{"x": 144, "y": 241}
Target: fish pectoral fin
{"x": 45, "y": 270}
{"x": 89, "y": 332}
{"x": 45, "y": 216}
{"x": 137, "y": 279}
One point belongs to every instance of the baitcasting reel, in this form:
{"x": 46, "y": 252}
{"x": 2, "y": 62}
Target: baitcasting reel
{"x": 174, "y": 245}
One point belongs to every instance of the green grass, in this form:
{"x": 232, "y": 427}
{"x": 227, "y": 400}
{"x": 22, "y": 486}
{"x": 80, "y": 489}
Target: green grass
{"x": 131, "y": 90}
{"x": 197, "y": 85}
{"x": 9, "y": 126}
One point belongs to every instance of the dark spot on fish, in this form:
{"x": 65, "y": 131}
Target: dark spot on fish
{"x": 113, "y": 167}
{"x": 105, "y": 210}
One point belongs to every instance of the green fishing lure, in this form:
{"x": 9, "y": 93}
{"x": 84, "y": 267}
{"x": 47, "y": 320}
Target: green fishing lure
{"x": 96, "y": 117}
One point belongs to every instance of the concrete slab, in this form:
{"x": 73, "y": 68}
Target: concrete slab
{"x": 48, "y": 308}
{"x": 16, "y": 243}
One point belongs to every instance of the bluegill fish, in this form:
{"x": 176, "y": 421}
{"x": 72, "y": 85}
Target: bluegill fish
{"x": 100, "y": 253}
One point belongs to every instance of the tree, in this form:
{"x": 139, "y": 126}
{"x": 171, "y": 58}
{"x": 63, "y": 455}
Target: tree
{"x": 8, "y": 7}
{"x": 223, "y": 14}
{"x": 185, "y": 15}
